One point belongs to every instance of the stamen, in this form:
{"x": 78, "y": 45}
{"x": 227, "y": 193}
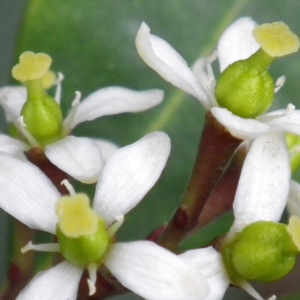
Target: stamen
{"x": 92, "y": 270}
{"x": 71, "y": 115}
{"x": 287, "y": 112}
{"x": 59, "y": 80}
{"x": 49, "y": 247}
{"x": 210, "y": 59}
{"x": 115, "y": 226}
{"x": 250, "y": 290}
{"x": 31, "y": 140}
{"x": 69, "y": 187}
{"x": 9, "y": 112}
{"x": 279, "y": 83}
{"x": 211, "y": 79}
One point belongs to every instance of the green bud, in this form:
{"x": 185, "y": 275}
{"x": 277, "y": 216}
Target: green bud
{"x": 245, "y": 87}
{"x": 85, "y": 249}
{"x": 262, "y": 251}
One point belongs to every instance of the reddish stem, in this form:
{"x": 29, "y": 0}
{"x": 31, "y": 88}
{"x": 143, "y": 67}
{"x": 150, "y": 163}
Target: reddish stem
{"x": 37, "y": 157}
{"x": 221, "y": 199}
{"x": 215, "y": 150}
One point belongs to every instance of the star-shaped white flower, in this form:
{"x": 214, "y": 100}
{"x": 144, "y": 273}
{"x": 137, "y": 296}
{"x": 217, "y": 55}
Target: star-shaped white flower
{"x": 236, "y": 43}
{"x": 143, "y": 267}
{"x": 70, "y": 153}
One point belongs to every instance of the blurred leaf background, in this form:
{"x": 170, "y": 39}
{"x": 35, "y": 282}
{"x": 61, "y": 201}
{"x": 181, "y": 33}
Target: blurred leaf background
{"x": 93, "y": 44}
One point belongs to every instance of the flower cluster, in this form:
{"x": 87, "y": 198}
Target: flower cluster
{"x": 257, "y": 246}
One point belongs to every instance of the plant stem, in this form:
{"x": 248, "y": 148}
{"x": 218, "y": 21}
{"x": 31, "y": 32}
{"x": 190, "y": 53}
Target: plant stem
{"x": 221, "y": 199}
{"x": 215, "y": 150}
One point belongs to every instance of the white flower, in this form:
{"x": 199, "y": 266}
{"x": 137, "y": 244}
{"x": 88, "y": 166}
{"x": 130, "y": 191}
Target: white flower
{"x": 143, "y": 267}
{"x": 70, "y": 153}
{"x": 236, "y": 43}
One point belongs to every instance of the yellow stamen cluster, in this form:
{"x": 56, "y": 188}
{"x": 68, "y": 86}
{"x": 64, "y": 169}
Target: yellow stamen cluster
{"x": 293, "y": 229}
{"x": 276, "y": 39}
{"x": 76, "y": 218}
{"x": 31, "y": 66}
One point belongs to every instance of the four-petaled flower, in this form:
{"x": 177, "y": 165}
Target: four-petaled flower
{"x": 143, "y": 267}
{"x": 236, "y": 43}
{"x": 68, "y": 153}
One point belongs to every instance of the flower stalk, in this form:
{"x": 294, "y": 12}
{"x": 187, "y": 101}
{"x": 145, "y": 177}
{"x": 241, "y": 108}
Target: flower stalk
{"x": 216, "y": 148}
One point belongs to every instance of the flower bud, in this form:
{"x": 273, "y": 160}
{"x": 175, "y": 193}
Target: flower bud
{"x": 262, "y": 251}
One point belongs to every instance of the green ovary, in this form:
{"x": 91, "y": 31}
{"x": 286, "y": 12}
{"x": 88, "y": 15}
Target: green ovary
{"x": 86, "y": 249}
{"x": 245, "y": 87}
{"x": 262, "y": 251}
{"x": 41, "y": 114}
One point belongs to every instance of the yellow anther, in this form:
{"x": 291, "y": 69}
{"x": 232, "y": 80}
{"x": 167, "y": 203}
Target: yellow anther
{"x": 294, "y": 230}
{"x": 31, "y": 66}
{"x": 76, "y": 218}
{"x": 276, "y": 39}
{"x": 49, "y": 79}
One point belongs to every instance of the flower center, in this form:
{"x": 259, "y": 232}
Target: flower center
{"x": 41, "y": 113}
{"x": 245, "y": 87}
{"x": 76, "y": 218}
{"x": 81, "y": 233}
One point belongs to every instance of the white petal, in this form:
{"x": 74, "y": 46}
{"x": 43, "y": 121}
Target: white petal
{"x": 264, "y": 183}
{"x": 237, "y": 42}
{"x": 78, "y": 157}
{"x": 168, "y": 63}
{"x": 12, "y": 99}
{"x": 27, "y": 194}
{"x": 115, "y": 100}
{"x": 129, "y": 174}
{"x": 289, "y": 123}
{"x": 209, "y": 262}
{"x": 60, "y": 283}
{"x": 106, "y": 148}
{"x": 12, "y": 146}
{"x": 155, "y": 273}
{"x": 293, "y": 204}
{"x": 239, "y": 127}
